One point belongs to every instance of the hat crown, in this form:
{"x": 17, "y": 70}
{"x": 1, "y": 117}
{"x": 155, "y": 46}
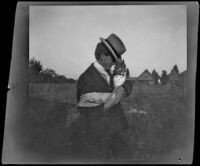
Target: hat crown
{"x": 116, "y": 43}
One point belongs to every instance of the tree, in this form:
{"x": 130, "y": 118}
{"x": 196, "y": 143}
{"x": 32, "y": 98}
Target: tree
{"x": 35, "y": 67}
{"x": 71, "y": 80}
{"x": 60, "y": 79}
{"x": 164, "y": 77}
{"x": 39, "y": 75}
{"x": 49, "y": 72}
{"x": 175, "y": 69}
{"x": 155, "y": 76}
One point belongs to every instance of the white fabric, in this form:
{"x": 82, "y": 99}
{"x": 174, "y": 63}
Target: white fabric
{"x": 93, "y": 99}
{"x": 102, "y": 71}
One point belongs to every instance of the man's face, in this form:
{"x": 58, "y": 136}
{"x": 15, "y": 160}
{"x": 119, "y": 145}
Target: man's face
{"x": 107, "y": 62}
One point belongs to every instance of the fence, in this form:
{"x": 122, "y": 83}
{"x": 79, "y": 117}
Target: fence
{"x": 67, "y": 92}
{"x": 53, "y": 92}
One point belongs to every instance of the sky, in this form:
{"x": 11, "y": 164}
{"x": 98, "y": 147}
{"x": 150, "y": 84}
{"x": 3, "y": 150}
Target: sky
{"x": 64, "y": 38}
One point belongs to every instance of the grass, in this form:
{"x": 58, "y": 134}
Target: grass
{"x": 163, "y": 128}
{"x": 153, "y": 135}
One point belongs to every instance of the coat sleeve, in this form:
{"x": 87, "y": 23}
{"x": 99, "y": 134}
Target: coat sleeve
{"x": 128, "y": 86}
{"x": 84, "y": 85}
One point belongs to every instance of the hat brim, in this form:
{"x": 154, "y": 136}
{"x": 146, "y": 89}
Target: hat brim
{"x": 110, "y": 49}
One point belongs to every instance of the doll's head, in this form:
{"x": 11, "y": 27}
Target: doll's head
{"x": 120, "y": 69}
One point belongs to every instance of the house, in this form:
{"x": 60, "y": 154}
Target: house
{"x": 183, "y": 78}
{"x": 173, "y": 78}
{"x": 183, "y": 81}
{"x": 145, "y": 78}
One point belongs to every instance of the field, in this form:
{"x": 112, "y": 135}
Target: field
{"x": 158, "y": 126}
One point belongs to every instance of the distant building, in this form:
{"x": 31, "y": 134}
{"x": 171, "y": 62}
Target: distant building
{"x": 183, "y": 78}
{"x": 177, "y": 79}
{"x": 173, "y": 78}
{"x": 145, "y": 78}
{"x": 183, "y": 81}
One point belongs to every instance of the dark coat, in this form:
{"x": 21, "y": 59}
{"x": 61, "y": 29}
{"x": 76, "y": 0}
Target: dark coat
{"x": 100, "y": 127}
{"x": 92, "y": 81}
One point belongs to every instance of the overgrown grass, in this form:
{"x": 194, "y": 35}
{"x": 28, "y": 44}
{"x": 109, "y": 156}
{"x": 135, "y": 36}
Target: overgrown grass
{"x": 163, "y": 128}
{"x": 154, "y": 134}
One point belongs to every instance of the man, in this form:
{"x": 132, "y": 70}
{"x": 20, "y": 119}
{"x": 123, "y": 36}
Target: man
{"x": 102, "y": 114}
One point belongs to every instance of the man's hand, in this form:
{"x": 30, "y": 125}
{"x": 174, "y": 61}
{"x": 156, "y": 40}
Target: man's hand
{"x": 114, "y": 98}
{"x": 118, "y": 91}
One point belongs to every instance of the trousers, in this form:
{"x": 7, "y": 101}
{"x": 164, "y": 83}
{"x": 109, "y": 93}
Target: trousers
{"x": 97, "y": 136}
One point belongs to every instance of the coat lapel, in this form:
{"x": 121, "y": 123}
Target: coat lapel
{"x": 100, "y": 77}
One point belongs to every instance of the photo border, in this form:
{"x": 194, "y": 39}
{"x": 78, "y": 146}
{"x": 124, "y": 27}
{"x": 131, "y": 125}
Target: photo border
{"x": 17, "y": 96}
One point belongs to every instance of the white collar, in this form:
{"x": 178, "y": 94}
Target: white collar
{"x": 101, "y": 70}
